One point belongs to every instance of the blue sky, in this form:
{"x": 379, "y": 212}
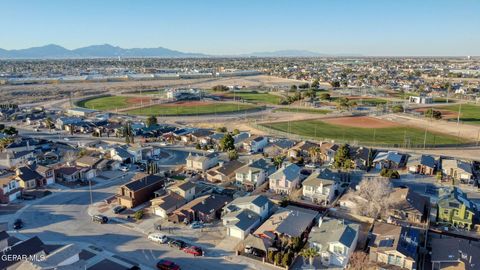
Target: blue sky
{"x": 368, "y": 27}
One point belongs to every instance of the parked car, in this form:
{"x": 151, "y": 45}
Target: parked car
{"x": 177, "y": 243}
{"x": 124, "y": 168}
{"x": 18, "y": 224}
{"x": 158, "y": 238}
{"x": 118, "y": 209}
{"x": 100, "y": 219}
{"x": 196, "y": 225}
{"x": 254, "y": 251}
{"x": 167, "y": 265}
{"x": 196, "y": 251}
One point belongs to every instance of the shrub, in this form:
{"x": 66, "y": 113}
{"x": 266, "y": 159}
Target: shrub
{"x": 138, "y": 215}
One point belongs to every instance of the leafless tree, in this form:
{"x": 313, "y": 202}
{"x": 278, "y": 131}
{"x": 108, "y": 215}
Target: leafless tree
{"x": 69, "y": 156}
{"x": 376, "y": 193}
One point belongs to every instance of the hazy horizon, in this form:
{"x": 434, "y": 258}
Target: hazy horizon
{"x": 222, "y": 28}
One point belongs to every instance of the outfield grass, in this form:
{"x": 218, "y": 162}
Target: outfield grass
{"x": 256, "y": 97}
{"x": 470, "y": 114}
{"x": 105, "y": 103}
{"x": 386, "y": 136}
{"x": 191, "y": 110}
{"x": 364, "y": 101}
{"x": 303, "y": 110}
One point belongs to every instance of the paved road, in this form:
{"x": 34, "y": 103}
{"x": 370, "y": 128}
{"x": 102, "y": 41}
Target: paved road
{"x": 63, "y": 217}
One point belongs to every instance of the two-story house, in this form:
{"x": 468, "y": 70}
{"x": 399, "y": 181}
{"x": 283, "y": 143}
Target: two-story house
{"x": 457, "y": 169}
{"x": 254, "y": 173}
{"x": 139, "y": 190}
{"x": 224, "y": 172}
{"x": 423, "y": 164}
{"x": 201, "y": 162}
{"x": 455, "y": 209}
{"x": 408, "y": 206}
{"x": 255, "y": 144}
{"x": 322, "y": 186}
{"x": 10, "y": 188}
{"x": 12, "y": 159}
{"x": 389, "y": 160}
{"x": 392, "y": 245}
{"x": 285, "y": 179}
{"x": 335, "y": 240}
{"x": 244, "y": 214}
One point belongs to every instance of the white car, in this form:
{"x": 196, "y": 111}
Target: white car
{"x": 311, "y": 166}
{"x": 124, "y": 168}
{"x": 158, "y": 238}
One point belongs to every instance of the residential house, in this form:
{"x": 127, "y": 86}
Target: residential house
{"x": 289, "y": 222}
{"x": 122, "y": 155}
{"x": 255, "y": 144}
{"x": 456, "y": 209}
{"x": 408, "y": 206}
{"x": 302, "y": 150}
{"x": 10, "y": 188}
{"x": 392, "y": 245}
{"x": 206, "y": 208}
{"x": 335, "y": 240}
{"x": 201, "y": 162}
{"x": 47, "y": 173}
{"x": 457, "y": 169}
{"x": 165, "y": 204}
{"x": 63, "y": 257}
{"x": 285, "y": 179}
{"x": 68, "y": 173}
{"x": 350, "y": 201}
{"x": 389, "y": 160}
{"x": 139, "y": 190}
{"x": 328, "y": 151}
{"x": 278, "y": 147}
{"x": 199, "y": 135}
{"x": 240, "y": 139}
{"x": 29, "y": 178}
{"x": 244, "y": 214}
{"x": 324, "y": 186}
{"x": 361, "y": 157}
{"x": 88, "y": 162}
{"x": 224, "y": 172}
{"x": 32, "y": 248}
{"x": 254, "y": 174}
{"x": 14, "y": 159}
{"x": 454, "y": 253}
{"x": 423, "y": 164}
{"x": 185, "y": 189}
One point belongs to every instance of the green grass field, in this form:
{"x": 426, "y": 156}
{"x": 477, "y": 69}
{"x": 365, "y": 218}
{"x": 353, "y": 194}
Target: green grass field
{"x": 302, "y": 110}
{"x": 255, "y": 97}
{"x": 191, "y": 110}
{"x": 386, "y": 136}
{"x": 365, "y": 101}
{"x": 470, "y": 114}
{"x": 105, "y": 103}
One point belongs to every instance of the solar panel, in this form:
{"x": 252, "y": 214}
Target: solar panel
{"x": 386, "y": 243}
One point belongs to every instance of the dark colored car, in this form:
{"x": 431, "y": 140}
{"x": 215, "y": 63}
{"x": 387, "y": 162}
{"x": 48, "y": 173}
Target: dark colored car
{"x": 196, "y": 251}
{"x": 118, "y": 209}
{"x": 177, "y": 243}
{"x": 18, "y": 224}
{"x": 167, "y": 265}
{"x": 100, "y": 219}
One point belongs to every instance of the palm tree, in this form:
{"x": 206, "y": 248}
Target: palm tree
{"x": 309, "y": 253}
{"x": 314, "y": 153}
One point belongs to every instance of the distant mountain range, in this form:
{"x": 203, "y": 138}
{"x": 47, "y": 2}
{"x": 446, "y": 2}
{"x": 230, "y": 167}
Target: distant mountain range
{"x": 53, "y": 51}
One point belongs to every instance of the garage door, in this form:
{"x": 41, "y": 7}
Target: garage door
{"x": 234, "y": 232}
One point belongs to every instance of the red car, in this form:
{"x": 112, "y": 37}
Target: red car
{"x": 196, "y": 251}
{"x": 167, "y": 265}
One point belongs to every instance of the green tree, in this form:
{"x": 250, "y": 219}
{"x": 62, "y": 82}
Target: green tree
{"x": 198, "y": 146}
{"x": 293, "y": 88}
{"x": 220, "y": 88}
{"x": 304, "y": 86}
{"x": 221, "y": 129}
{"x": 277, "y": 259}
{"x": 151, "y": 121}
{"x": 309, "y": 253}
{"x": 278, "y": 160}
{"x": 138, "y": 215}
{"x": 270, "y": 256}
{"x": 49, "y": 123}
{"x": 227, "y": 143}
{"x": 10, "y": 131}
{"x": 439, "y": 176}
{"x": 325, "y": 96}
{"x": 4, "y": 142}
{"x": 397, "y": 109}
{"x": 431, "y": 113}
{"x": 341, "y": 159}
{"x": 287, "y": 259}
{"x": 315, "y": 84}
{"x": 232, "y": 155}
{"x": 236, "y": 131}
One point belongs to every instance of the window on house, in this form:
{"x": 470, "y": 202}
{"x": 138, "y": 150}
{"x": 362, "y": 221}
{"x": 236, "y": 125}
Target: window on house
{"x": 338, "y": 249}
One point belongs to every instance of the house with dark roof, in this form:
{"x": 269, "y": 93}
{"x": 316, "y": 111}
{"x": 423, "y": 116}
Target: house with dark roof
{"x": 323, "y": 186}
{"x": 29, "y": 178}
{"x": 278, "y": 147}
{"x": 33, "y": 247}
{"x": 255, "y": 144}
{"x": 285, "y": 179}
{"x": 165, "y": 204}
{"x": 457, "y": 169}
{"x": 302, "y": 150}
{"x": 455, "y": 253}
{"x": 68, "y": 173}
{"x": 11, "y": 159}
{"x": 456, "y": 209}
{"x": 206, "y": 208}
{"x": 225, "y": 172}
{"x": 423, "y": 164}
{"x": 139, "y": 190}
{"x": 334, "y": 240}
{"x": 389, "y": 160}
{"x": 244, "y": 214}
{"x": 392, "y": 245}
